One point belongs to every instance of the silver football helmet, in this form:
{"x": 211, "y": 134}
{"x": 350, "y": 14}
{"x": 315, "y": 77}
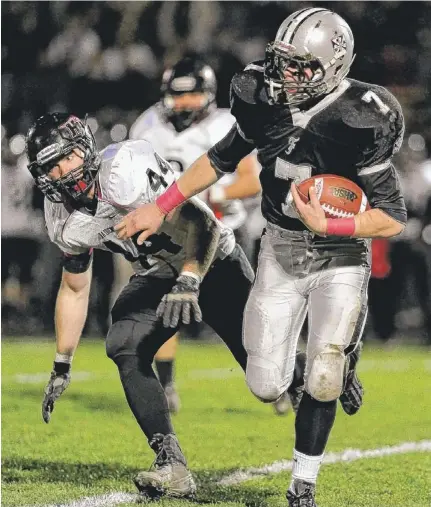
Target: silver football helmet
{"x": 310, "y": 56}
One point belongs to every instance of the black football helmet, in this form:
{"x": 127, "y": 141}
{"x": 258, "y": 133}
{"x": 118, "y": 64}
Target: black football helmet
{"x": 52, "y": 137}
{"x": 189, "y": 75}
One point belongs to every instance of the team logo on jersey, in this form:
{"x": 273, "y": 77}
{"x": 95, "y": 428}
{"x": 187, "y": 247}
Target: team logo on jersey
{"x": 343, "y": 193}
{"x": 291, "y": 143}
{"x": 339, "y": 44}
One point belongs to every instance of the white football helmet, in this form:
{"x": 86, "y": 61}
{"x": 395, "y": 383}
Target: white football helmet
{"x": 314, "y": 47}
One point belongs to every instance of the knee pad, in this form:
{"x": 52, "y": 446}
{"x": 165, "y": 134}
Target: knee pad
{"x": 326, "y": 374}
{"x": 264, "y": 382}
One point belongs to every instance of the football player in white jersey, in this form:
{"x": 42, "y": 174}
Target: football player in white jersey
{"x": 181, "y": 127}
{"x": 180, "y": 274}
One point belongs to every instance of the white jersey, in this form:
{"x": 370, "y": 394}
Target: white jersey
{"x": 131, "y": 174}
{"x": 181, "y": 149}
{"x": 19, "y": 218}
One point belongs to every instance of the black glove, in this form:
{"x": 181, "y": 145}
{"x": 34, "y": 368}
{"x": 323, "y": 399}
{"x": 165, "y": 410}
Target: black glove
{"x": 58, "y": 382}
{"x": 182, "y": 300}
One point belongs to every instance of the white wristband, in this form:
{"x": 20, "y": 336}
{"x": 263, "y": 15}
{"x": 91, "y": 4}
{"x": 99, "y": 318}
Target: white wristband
{"x": 192, "y": 275}
{"x": 63, "y": 358}
{"x": 217, "y": 194}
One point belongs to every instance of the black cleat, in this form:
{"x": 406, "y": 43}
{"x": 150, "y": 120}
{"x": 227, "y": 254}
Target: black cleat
{"x": 168, "y": 475}
{"x": 301, "y": 494}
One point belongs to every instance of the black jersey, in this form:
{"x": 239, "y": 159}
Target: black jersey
{"x": 352, "y": 132}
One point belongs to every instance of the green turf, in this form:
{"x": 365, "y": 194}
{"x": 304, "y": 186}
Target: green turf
{"x": 93, "y": 445}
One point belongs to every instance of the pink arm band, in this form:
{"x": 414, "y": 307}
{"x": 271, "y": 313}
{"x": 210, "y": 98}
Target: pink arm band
{"x": 340, "y": 227}
{"x": 170, "y": 199}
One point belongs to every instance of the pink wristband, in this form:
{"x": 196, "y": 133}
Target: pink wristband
{"x": 340, "y": 227}
{"x": 170, "y": 199}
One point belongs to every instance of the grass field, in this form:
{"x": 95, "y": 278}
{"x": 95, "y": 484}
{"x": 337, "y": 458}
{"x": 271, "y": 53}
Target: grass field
{"x": 93, "y": 446}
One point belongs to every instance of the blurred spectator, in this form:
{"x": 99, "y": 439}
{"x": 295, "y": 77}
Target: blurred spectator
{"x": 22, "y": 228}
{"x": 403, "y": 299}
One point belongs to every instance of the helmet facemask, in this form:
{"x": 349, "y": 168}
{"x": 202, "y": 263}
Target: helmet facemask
{"x": 291, "y": 78}
{"x": 184, "y": 118}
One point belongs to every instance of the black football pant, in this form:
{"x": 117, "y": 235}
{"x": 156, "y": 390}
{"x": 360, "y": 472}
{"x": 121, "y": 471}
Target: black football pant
{"x": 136, "y": 334}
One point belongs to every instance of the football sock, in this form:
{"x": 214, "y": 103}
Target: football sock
{"x": 313, "y": 424}
{"x": 144, "y": 395}
{"x": 305, "y": 468}
{"x": 165, "y": 371}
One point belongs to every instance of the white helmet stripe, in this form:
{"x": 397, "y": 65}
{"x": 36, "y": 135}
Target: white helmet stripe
{"x": 286, "y": 30}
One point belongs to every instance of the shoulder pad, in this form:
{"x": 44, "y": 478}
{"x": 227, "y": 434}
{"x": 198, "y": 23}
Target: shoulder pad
{"x": 220, "y": 122}
{"x": 147, "y": 120}
{"x": 370, "y": 106}
{"x": 248, "y": 85}
{"x": 124, "y": 174}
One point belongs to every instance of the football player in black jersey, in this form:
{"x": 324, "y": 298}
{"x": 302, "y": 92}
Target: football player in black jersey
{"x": 304, "y": 117}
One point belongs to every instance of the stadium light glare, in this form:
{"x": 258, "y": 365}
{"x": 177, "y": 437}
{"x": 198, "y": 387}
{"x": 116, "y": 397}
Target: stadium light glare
{"x": 118, "y": 132}
{"x": 17, "y": 144}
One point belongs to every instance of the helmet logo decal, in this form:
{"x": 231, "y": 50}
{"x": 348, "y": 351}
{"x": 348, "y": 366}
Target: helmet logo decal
{"x": 183, "y": 84}
{"x": 48, "y": 153}
{"x": 339, "y": 44}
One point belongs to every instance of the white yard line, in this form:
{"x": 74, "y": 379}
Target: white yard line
{"x": 348, "y": 455}
{"x": 38, "y": 378}
{"x": 398, "y": 365}
{"x": 100, "y": 501}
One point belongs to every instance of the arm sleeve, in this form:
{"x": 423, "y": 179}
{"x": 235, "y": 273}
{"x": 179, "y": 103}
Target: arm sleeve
{"x": 376, "y": 170}
{"x": 77, "y": 263}
{"x": 229, "y": 151}
{"x": 383, "y": 191}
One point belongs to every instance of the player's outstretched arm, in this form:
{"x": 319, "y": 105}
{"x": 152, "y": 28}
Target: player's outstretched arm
{"x": 181, "y": 304}
{"x": 149, "y": 217}
{"x": 222, "y": 158}
{"x": 70, "y": 315}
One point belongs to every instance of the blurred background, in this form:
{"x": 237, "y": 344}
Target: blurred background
{"x": 105, "y": 59}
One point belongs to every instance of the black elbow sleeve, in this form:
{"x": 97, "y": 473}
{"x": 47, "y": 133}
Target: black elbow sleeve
{"x": 229, "y": 151}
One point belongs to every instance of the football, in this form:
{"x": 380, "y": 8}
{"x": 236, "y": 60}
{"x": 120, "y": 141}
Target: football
{"x": 339, "y": 197}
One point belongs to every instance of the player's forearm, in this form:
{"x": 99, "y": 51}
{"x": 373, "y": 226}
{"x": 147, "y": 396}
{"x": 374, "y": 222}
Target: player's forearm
{"x": 242, "y": 189}
{"x": 202, "y": 240}
{"x": 247, "y": 183}
{"x": 375, "y": 223}
{"x": 198, "y": 177}
{"x": 70, "y": 316}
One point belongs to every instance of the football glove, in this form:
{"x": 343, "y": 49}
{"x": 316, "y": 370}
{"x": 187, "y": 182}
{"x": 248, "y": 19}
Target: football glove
{"x": 182, "y": 302}
{"x": 57, "y": 384}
